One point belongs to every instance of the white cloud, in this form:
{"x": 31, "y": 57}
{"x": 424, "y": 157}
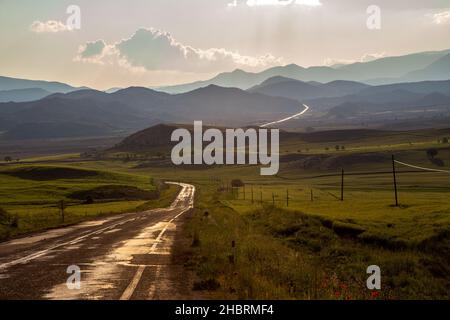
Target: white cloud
{"x": 310, "y": 3}
{"x": 365, "y": 58}
{"x": 151, "y": 50}
{"x": 50, "y": 26}
{"x": 441, "y": 17}
{"x": 95, "y": 52}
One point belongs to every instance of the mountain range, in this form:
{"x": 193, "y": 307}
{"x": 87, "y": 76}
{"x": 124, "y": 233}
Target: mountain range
{"x": 433, "y": 65}
{"x": 42, "y": 109}
{"x": 136, "y": 108}
{"x": 20, "y": 90}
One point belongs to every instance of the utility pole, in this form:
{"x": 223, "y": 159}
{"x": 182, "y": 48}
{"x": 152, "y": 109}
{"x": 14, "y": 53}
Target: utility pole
{"x": 62, "y": 206}
{"x": 395, "y": 180}
{"x": 342, "y": 185}
{"x": 287, "y": 197}
{"x": 312, "y": 195}
{"x": 273, "y": 199}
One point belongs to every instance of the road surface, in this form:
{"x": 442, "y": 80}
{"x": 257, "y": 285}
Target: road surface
{"x": 270, "y": 124}
{"x": 120, "y": 257}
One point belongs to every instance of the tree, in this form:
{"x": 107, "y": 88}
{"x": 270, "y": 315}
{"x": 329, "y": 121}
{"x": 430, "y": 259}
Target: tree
{"x": 337, "y": 148}
{"x": 445, "y": 140}
{"x": 8, "y": 159}
{"x": 431, "y": 153}
{"x": 237, "y": 183}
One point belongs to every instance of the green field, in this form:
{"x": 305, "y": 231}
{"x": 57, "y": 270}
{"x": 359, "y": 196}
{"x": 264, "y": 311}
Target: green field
{"x": 31, "y": 195}
{"x": 294, "y": 237}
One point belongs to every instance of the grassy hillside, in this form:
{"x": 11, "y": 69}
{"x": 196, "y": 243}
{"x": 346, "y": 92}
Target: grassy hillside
{"x": 31, "y": 195}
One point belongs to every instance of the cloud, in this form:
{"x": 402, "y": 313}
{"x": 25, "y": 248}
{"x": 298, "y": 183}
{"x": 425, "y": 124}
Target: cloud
{"x": 155, "y": 50}
{"x": 50, "y": 26}
{"x": 441, "y": 17}
{"x": 310, "y": 3}
{"x": 365, "y": 58}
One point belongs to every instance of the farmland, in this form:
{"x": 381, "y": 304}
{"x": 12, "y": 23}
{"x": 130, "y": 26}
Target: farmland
{"x": 288, "y": 236}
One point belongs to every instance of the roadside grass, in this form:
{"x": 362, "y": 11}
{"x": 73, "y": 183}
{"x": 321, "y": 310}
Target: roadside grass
{"x": 34, "y": 204}
{"x": 287, "y": 254}
{"x": 373, "y": 210}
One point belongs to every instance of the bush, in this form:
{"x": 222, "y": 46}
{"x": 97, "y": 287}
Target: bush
{"x": 347, "y": 229}
{"x": 237, "y": 183}
{"x": 431, "y": 153}
{"x": 7, "y": 220}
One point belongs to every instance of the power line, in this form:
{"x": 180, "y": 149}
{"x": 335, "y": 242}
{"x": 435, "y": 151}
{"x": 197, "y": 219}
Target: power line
{"x": 421, "y": 168}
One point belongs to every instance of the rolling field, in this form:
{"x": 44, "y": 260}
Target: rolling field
{"x": 294, "y": 238}
{"x": 31, "y": 195}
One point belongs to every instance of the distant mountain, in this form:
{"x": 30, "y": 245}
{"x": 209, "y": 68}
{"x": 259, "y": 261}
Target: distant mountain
{"x": 433, "y": 99}
{"x": 393, "y": 95}
{"x": 7, "y": 83}
{"x": 380, "y": 71}
{"x": 44, "y": 130}
{"x": 439, "y": 70}
{"x": 136, "y": 108}
{"x": 112, "y": 90}
{"x": 22, "y": 95}
{"x": 299, "y": 90}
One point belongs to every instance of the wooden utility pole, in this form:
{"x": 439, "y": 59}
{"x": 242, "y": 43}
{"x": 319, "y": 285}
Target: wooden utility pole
{"x": 395, "y": 180}
{"x": 342, "y": 185}
{"x": 62, "y": 206}
{"x": 287, "y": 197}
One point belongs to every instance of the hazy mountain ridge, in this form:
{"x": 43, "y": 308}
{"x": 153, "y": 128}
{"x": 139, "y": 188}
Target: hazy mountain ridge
{"x": 299, "y": 90}
{"x": 380, "y": 71}
{"x": 23, "y": 95}
{"x": 137, "y": 108}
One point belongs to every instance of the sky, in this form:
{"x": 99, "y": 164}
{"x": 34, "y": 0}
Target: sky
{"x": 118, "y": 43}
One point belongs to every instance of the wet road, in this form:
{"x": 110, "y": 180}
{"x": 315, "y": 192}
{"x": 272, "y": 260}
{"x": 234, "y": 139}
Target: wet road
{"x": 125, "y": 257}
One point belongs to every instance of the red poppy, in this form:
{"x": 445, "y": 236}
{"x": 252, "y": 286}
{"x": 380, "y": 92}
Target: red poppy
{"x": 375, "y": 294}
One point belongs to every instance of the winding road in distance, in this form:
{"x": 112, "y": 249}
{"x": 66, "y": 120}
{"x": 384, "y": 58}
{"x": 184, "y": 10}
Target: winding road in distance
{"x": 125, "y": 256}
{"x": 286, "y": 119}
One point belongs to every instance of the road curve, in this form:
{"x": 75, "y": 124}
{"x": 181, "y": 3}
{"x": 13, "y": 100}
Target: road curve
{"x": 125, "y": 256}
{"x": 286, "y": 119}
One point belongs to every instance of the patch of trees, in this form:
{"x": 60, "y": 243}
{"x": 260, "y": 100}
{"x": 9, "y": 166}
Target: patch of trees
{"x": 10, "y": 159}
{"x": 432, "y": 156}
{"x": 443, "y": 140}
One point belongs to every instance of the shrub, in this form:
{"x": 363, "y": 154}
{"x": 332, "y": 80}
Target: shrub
{"x": 237, "y": 183}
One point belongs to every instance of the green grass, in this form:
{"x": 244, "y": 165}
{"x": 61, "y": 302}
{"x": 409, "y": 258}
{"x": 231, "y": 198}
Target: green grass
{"x": 35, "y": 203}
{"x": 316, "y": 249}
{"x": 290, "y": 254}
